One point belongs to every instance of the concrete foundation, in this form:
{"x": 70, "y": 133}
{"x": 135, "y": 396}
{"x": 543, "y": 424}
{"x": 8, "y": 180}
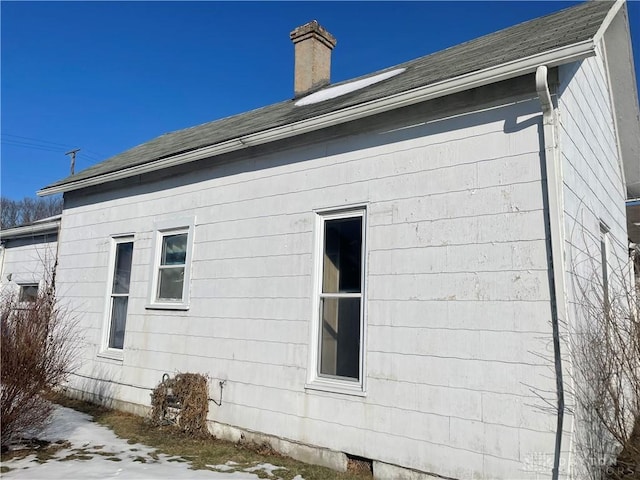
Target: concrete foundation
{"x": 385, "y": 471}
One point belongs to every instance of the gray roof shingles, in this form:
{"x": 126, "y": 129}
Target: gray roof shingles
{"x": 570, "y": 26}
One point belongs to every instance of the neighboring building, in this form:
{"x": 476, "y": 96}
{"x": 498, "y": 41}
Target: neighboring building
{"x": 27, "y": 257}
{"x": 633, "y": 229}
{"x": 380, "y": 268}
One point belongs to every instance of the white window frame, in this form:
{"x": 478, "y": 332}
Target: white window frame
{"x": 27, "y": 304}
{"x": 24, "y": 285}
{"x": 105, "y": 350}
{"x": 315, "y": 380}
{"x": 163, "y": 229}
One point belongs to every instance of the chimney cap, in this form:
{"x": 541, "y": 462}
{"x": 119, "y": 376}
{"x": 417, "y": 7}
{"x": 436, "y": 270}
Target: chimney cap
{"x": 313, "y": 29}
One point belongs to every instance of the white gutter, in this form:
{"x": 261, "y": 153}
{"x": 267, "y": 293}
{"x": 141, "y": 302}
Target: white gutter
{"x": 555, "y": 206}
{"x": 30, "y": 230}
{"x": 486, "y": 76}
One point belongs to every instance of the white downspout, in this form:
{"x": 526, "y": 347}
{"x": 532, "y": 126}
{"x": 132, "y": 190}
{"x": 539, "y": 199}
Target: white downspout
{"x": 555, "y": 204}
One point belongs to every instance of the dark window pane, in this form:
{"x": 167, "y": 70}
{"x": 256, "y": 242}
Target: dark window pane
{"x": 605, "y": 268}
{"x": 174, "y": 249}
{"x": 118, "y": 320}
{"x": 170, "y": 281}
{"x": 340, "y": 342}
{"x": 342, "y": 264}
{"x": 28, "y": 293}
{"x": 122, "y": 273}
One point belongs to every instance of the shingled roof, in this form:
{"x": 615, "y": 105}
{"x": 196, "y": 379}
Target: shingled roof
{"x": 557, "y": 38}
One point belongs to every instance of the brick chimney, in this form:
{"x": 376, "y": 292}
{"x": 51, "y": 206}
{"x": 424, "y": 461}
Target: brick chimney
{"x": 313, "y": 45}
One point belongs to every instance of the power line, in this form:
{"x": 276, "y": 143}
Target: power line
{"x": 91, "y": 158}
{"x": 98, "y": 155}
{"x": 36, "y": 143}
{"x": 33, "y": 146}
{"x": 38, "y": 140}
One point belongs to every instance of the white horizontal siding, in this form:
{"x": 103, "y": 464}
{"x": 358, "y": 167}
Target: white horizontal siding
{"x": 487, "y": 257}
{"x": 594, "y": 190}
{"x": 27, "y": 260}
{"x": 459, "y": 344}
{"x": 456, "y": 290}
{"x": 526, "y": 316}
{"x": 593, "y": 185}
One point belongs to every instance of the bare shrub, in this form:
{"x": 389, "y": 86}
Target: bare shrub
{"x": 27, "y": 210}
{"x": 605, "y": 344}
{"x": 187, "y": 394}
{"x": 38, "y": 347}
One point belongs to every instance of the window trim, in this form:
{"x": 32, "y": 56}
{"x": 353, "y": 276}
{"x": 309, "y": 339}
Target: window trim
{"x": 22, "y": 286}
{"x": 161, "y": 230}
{"x": 105, "y": 350}
{"x": 316, "y": 381}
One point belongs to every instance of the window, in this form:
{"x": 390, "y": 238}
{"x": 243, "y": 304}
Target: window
{"x": 119, "y": 292}
{"x": 171, "y": 266}
{"x": 604, "y": 258}
{"x": 339, "y": 301}
{"x": 28, "y": 292}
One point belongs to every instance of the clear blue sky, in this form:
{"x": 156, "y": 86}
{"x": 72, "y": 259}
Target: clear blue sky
{"x": 107, "y": 76}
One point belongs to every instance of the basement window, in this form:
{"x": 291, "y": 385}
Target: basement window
{"x": 28, "y": 293}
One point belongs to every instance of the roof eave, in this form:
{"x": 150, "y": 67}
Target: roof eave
{"x": 505, "y": 71}
{"x": 613, "y": 11}
{"x": 30, "y": 230}
{"x": 633, "y": 220}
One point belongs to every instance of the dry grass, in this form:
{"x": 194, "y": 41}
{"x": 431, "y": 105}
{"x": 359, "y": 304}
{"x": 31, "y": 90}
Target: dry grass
{"x": 203, "y": 450}
{"x": 42, "y": 450}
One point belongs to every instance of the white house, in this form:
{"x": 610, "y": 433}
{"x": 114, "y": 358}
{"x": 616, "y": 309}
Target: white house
{"x": 27, "y": 257}
{"x": 379, "y": 268}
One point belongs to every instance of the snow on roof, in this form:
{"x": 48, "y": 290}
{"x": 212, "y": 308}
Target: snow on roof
{"x": 333, "y": 92}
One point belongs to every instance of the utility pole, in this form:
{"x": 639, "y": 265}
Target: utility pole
{"x": 73, "y": 159}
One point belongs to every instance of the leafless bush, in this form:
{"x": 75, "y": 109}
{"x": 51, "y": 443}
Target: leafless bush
{"x": 605, "y": 343}
{"x": 27, "y": 210}
{"x": 188, "y": 394}
{"x": 38, "y": 346}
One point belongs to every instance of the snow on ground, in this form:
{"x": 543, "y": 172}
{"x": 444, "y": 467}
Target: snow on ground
{"x": 95, "y": 452}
